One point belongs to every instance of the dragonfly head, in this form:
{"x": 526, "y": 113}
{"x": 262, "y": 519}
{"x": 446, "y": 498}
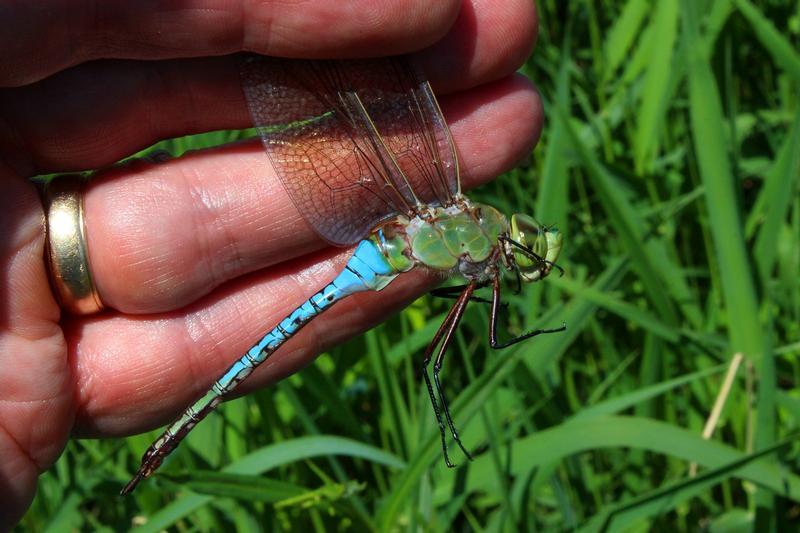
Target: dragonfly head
{"x": 543, "y": 241}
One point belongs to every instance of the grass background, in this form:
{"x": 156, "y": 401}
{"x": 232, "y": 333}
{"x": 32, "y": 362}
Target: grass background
{"x": 671, "y": 161}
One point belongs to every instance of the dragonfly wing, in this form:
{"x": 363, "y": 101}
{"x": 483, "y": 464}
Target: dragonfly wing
{"x": 352, "y": 141}
{"x": 417, "y": 133}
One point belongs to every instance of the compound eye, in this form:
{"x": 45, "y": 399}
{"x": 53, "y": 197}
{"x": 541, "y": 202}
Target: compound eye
{"x": 526, "y": 231}
{"x": 544, "y": 242}
{"x": 554, "y": 239}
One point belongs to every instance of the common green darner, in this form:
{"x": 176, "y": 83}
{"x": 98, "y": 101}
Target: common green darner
{"x": 365, "y": 154}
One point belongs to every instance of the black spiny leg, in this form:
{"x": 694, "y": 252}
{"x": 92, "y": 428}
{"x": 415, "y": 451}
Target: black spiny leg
{"x": 518, "y": 284}
{"x": 460, "y": 306}
{"x": 455, "y": 291}
{"x": 493, "y": 322}
{"x": 445, "y": 330}
{"x": 427, "y": 359}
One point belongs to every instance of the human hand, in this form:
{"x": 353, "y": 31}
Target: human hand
{"x": 196, "y": 257}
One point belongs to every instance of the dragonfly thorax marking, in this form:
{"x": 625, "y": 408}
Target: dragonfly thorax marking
{"x": 457, "y": 239}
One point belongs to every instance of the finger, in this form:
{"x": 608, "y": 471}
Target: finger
{"x": 489, "y": 40}
{"x": 95, "y": 114}
{"x": 36, "y": 407}
{"x": 162, "y": 235}
{"x": 37, "y": 42}
{"x": 138, "y": 373}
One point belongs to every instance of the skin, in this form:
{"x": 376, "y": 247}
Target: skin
{"x": 196, "y": 257}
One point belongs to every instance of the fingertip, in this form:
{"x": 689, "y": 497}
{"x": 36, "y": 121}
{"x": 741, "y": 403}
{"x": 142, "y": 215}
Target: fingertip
{"x": 495, "y": 126}
{"x": 489, "y": 40}
{"x": 423, "y": 24}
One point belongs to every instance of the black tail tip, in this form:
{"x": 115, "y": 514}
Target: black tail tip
{"x": 127, "y": 489}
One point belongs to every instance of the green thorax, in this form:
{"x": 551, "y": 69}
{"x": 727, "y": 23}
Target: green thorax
{"x": 443, "y": 238}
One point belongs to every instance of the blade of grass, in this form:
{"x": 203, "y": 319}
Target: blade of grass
{"x": 717, "y": 17}
{"x": 773, "y": 203}
{"x": 653, "y": 106}
{"x": 623, "y": 516}
{"x": 267, "y": 458}
{"x": 622, "y": 34}
{"x": 608, "y": 301}
{"x": 552, "y": 199}
{"x": 586, "y": 435}
{"x": 618, "y": 404}
{"x": 628, "y": 224}
{"x": 736, "y": 278}
{"x": 782, "y": 51}
{"x": 631, "y": 399}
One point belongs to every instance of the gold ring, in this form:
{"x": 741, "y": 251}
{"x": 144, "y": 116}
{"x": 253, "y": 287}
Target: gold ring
{"x": 67, "y": 251}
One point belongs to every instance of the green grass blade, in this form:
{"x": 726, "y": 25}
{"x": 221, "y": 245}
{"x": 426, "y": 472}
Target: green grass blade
{"x": 585, "y": 435}
{"x": 722, "y": 203}
{"x": 717, "y": 17}
{"x": 736, "y": 278}
{"x": 552, "y": 198}
{"x": 653, "y": 107}
{"x": 625, "y": 310}
{"x": 623, "y": 33}
{"x": 782, "y": 51}
{"x": 623, "y": 516}
{"x": 628, "y": 223}
{"x": 780, "y": 188}
{"x": 266, "y": 459}
{"x": 631, "y": 399}
{"x": 238, "y": 486}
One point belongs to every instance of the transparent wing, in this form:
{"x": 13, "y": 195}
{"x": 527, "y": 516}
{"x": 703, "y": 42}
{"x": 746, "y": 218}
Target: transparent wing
{"x": 352, "y": 141}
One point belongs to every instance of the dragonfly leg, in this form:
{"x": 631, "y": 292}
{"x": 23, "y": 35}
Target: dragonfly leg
{"x": 518, "y": 284}
{"x": 425, "y": 361}
{"x": 493, "y": 342}
{"x": 455, "y": 291}
{"x": 459, "y": 307}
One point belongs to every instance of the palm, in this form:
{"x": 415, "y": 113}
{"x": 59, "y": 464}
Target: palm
{"x": 37, "y": 405}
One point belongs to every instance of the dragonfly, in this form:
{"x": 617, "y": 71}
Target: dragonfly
{"x": 365, "y": 154}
